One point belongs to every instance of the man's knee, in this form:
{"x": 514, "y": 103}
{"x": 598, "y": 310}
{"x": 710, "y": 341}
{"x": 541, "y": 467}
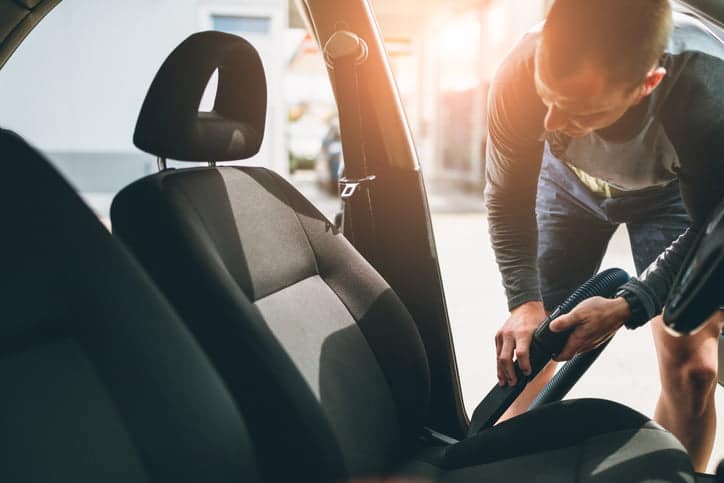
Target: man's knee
{"x": 702, "y": 377}
{"x": 689, "y": 365}
{"x": 692, "y": 384}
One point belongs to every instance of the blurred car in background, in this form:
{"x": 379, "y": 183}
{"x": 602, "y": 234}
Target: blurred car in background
{"x": 304, "y": 137}
{"x": 330, "y": 161}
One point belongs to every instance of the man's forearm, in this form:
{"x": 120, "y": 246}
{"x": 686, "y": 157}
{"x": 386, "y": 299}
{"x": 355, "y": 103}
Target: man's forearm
{"x": 654, "y": 284}
{"x": 514, "y": 238}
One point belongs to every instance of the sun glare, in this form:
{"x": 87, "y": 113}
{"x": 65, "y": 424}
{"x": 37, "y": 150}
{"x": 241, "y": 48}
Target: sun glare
{"x": 459, "y": 51}
{"x": 459, "y": 34}
{"x": 495, "y": 24}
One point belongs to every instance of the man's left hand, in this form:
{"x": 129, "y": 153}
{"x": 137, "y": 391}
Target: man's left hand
{"x": 593, "y": 321}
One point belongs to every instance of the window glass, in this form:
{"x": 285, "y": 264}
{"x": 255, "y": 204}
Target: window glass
{"x": 75, "y": 86}
{"x": 241, "y": 25}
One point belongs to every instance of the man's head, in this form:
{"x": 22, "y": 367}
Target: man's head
{"x": 597, "y": 58}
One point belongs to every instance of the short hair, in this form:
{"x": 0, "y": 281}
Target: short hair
{"x": 626, "y": 37}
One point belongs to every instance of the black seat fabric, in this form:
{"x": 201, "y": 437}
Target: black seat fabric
{"x": 588, "y": 440}
{"x": 170, "y": 123}
{"x": 281, "y": 301}
{"x": 320, "y": 353}
{"x": 101, "y": 382}
{"x": 290, "y": 311}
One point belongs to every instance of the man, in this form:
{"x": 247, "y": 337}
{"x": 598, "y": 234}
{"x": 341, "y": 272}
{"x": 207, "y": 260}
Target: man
{"x": 612, "y": 113}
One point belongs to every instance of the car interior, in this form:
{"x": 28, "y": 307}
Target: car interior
{"x": 227, "y": 331}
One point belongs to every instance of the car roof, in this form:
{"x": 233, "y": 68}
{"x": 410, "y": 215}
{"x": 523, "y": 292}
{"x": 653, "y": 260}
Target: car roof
{"x": 18, "y": 18}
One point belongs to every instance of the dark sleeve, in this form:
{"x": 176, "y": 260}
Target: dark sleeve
{"x": 694, "y": 120}
{"x": 513, "y": 158}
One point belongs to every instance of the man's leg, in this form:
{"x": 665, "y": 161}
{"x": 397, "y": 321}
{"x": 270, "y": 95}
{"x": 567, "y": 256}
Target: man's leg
{"x": 520, "y": 405}
{"x": 688, "y": 372}
{"x": 572, "y": 239}
{"x": 687, "y": 365}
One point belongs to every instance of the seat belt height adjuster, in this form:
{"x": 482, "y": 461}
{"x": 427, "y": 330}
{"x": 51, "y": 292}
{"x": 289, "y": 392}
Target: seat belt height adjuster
{"x": 349, "y": 186}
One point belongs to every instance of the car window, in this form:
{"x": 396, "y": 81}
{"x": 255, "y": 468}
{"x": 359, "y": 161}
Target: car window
{"x": 75, "y": 86}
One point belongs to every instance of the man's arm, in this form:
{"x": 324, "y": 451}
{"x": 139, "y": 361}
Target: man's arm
{"x": 655, "y": 283}
{"x": 513, "y": 158}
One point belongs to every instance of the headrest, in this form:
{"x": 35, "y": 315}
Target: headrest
{"x": 170, "y": 124}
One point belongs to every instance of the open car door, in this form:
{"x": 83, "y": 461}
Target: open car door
{"x": 389, "y": 213}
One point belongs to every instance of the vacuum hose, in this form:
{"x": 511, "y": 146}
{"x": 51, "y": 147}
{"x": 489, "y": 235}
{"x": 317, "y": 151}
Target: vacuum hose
{"x": 545, "y": 345}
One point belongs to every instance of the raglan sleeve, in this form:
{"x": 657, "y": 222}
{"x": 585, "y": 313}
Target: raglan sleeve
{"x": 694, "y": 121}
{"x": 513, "y": 159}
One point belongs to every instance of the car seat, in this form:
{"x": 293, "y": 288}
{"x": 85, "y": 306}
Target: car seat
{"x": 101, "y": 382}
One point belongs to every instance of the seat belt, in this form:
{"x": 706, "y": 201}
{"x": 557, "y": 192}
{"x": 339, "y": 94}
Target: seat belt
{"x": 344, "y": 52}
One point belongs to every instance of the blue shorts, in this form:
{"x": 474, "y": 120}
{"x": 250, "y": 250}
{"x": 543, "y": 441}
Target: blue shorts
{"x": 575, "y": 226}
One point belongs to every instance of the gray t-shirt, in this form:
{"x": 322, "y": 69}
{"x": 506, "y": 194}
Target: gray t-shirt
{"x": 675, "y": 133}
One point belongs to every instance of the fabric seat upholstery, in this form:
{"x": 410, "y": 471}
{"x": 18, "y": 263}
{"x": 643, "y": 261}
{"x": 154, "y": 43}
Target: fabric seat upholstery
{"x": 283, "y": 303}
{"x": 101, "y": 382}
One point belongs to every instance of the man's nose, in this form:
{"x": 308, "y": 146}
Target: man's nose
{"x": 554, "y": 119}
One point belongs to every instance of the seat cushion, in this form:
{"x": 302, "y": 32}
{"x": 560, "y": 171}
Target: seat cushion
{"x": 585, "y": 440}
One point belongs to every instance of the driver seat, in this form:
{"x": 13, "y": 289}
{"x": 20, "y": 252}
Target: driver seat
{"x": 318, "y": 350}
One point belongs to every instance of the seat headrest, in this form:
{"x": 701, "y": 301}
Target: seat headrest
{"x": 170, "y": 124}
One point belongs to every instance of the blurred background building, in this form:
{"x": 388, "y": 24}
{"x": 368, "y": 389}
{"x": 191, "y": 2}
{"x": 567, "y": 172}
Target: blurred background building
{"x": 444, "y": 55}
{"x": 89, "y": 65}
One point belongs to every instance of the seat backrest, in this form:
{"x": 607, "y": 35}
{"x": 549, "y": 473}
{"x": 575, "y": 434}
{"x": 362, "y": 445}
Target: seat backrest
{"x": 281, "y": 302}
{"x": 101, "y": 382}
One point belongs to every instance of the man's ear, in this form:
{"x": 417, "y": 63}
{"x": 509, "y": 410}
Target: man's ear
{"x": 652, "y": 80}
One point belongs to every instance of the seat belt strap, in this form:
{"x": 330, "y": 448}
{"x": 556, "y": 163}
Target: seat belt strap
{"x": 348, "y": 189}
{"x": 344, "y": 52}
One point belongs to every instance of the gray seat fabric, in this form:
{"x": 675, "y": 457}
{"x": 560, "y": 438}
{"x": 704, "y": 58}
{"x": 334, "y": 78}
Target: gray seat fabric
{"x": 101, "y": 382}
{"x": 276, "y": 296}
{"x": 237, "y": 298}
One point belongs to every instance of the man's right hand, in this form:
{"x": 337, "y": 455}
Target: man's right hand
{"x": 514, "y": 338}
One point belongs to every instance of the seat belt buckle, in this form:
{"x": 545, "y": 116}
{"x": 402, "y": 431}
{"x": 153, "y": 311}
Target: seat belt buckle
{"x": 349, "y": 186}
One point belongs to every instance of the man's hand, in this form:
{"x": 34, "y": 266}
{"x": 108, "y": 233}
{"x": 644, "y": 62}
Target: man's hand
{"x": 514, "y": 338}
{"x": 593, "y": 321}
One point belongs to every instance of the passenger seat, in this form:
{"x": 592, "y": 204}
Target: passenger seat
{"x": 101, "y": 382}
{"x": 316, "y": 347}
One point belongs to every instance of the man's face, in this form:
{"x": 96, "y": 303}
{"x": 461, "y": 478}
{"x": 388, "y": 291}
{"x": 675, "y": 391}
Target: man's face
{"x": 583, "y": 102}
